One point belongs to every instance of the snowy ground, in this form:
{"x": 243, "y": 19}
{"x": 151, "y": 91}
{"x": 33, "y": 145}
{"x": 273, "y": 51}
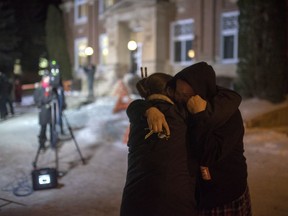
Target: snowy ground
{"x": 95, "y": 188}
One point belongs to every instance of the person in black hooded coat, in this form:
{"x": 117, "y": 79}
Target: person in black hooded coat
{"x": 216, "y": 132}
{"x": 42, "y": 98}
{"x": 158, "y": 181}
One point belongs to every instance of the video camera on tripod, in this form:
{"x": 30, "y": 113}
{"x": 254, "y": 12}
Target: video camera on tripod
{"x": 54, "y": 104}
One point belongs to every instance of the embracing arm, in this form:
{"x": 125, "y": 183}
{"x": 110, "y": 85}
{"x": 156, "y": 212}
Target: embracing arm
{"x": 212, "y": 114}
{"x": 136, "y": 110}
{"x": 221, "y": 142}
{"x": 157, "y": 121}
{"x": 223, "y": 106}
{"x": 143, "y": 109}
{"x": 206, "y": 118}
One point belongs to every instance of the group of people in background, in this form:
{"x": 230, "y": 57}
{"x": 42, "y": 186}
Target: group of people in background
{"x": 9, "y": 92}
{"x": 49, "y": 88}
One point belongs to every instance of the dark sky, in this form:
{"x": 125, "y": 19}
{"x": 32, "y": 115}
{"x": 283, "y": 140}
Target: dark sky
{"x": 29, "y": 25}
{"x": 31, "y": 14}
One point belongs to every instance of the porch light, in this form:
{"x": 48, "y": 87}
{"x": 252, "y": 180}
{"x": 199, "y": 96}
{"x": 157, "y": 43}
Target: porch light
{"x": 132, "y": 45}
{"x": 191, "y": 53}
{"x": 88, "y": 51}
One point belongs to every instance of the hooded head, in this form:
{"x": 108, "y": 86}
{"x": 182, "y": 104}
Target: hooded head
{"x": 154, "y": 84}
{"x": 200, "y": 77}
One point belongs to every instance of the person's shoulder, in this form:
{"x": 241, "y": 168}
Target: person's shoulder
{"x": 167, "y": 108}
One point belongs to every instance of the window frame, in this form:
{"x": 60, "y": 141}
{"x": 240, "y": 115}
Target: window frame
{"x": 77, "y": 42}
{"x": 77, "y": 19}
{"x": 103, "y": 6}
{"x": 182, "y": 39}
{"x": 229, "y": 32}
{"x": 103, "y": 46}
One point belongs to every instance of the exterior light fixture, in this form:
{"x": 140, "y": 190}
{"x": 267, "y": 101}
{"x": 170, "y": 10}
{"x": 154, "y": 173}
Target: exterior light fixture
{"x": 105, "y": 52}
{"x": 88, "y": 51}
{"x": 191, "y": 53}
{"x": 132, "y": 45}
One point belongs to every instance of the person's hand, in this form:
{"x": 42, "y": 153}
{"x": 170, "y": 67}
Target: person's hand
{"x": 196, "y": 104}
{"x": 156, "y": 121}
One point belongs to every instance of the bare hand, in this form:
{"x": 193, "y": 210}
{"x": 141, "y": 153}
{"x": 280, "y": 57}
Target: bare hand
{"x": 156, "y": 121}
{"x": 196, "y": 104}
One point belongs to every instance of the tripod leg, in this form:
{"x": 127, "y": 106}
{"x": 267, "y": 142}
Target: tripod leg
{"x": 53, "y": 131}
{"x": 36, "y": 158}
{"x": 77, "y": 147}
{"x": 56, "y": 158}
{"x": 72, "y": 135}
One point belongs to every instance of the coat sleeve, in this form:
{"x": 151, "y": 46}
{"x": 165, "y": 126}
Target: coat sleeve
{"x": 204, "y": 126}
{"x": 37, "y": 97}
{"x": 222, "y": 107}
{"x": 221, "y": 142}
{"x": 218, "y": 111}
{"x": 41, "y": 100}
{"x": 136, "y": 110}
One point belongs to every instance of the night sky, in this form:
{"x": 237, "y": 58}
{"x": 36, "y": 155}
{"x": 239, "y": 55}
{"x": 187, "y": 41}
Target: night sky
{"x": 30, "y": 18}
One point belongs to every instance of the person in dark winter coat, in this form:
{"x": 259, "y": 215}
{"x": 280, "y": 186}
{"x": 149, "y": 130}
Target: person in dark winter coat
{"x": 3, "y": 95}
{"x": 222, "y": 187}
{"x": 17, "y": 89}
{"x": 90, "y": 70}
{"x": 6, "y": 88}
{"x": 43, "y": 98}
{"x": 216, "y": 132}
{"x": 158, "y": 180}
{"x": 9, "y": 100}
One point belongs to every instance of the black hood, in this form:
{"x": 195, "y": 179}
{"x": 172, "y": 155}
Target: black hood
{"x": 201, "y": 77}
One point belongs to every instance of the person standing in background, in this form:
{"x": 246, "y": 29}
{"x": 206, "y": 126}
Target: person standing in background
{"x": 90, "y": 70}
{"x": 9, "y": 99}
{"x": 42, "y": 98}
{"x": 17, "y": 82}
{"x": 3, "y": 95}
{"x": 17, "y": 89}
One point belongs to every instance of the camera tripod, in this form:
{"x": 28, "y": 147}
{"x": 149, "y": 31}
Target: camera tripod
{"x": 56, "y": 118}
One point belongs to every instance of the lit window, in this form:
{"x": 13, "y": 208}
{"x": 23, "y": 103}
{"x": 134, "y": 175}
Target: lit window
{"x": 105, "y": 4}
{"x": 81, "y": 11}
{"x": 80, "y": 57}
{"x": 104, "y": 51}
{"x": 182, "y": 36}
{"x": 229, "y": 37}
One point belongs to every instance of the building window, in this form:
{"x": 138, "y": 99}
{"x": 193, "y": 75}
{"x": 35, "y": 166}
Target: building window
{"x": 105, "y": 4}
{"x": 79, "y": 47}
{"x": 81, "y": 11}
{"x": 182, "y": 36}
{"x": 104, "y": 51}
{"x": 229, "y": 37}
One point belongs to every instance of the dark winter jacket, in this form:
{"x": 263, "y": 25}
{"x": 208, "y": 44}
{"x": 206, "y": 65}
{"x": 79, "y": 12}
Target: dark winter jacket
{"x": 158, "y": 179}
{"x": 43, "y": 101}
{"x": 216, "y": 140}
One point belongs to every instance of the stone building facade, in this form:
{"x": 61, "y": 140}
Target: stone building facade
{"x": 170, "y": 35}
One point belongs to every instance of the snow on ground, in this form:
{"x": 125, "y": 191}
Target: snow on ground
{"x": 95, "y": 188}
{"x": 98, "y": 122}
{"x": 91, "y": 189}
